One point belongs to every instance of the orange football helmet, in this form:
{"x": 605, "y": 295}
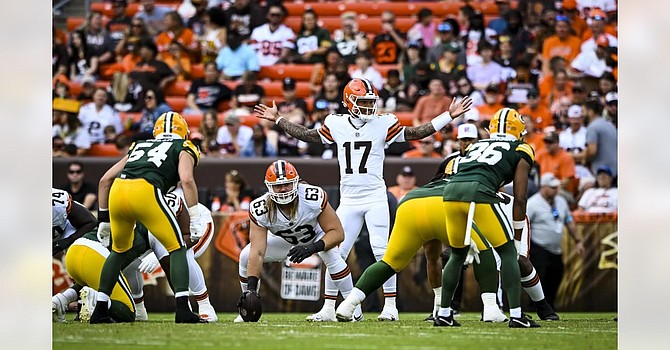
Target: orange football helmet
{"x": 171, "y": 125}
{"x": 280, "y": 173}
{"x": 357, "y": 91}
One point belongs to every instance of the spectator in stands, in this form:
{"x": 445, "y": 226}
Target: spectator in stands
{"x": 493, "y": 99}
{"x": 505, "y": 58}
{"x": 606, "y": 84}
{"x": 209, "y": 128}
{"x": 96, "y": 115}
{"x": 392, "y": 96}
{"x": 273, "y": 41}
{"x": 431, "y": 105}
{"x": 553, "y": 159}
{"x": 67, "y": 130}
{"x": 312, "y": 41}
{"x": 476, "y": 33}
{"x": 548, "y": 214}
{"x": 125, "y": 93}
{"x": 61, "y": 90}
{"x": 294, "y": 109}
{"x": 405, "y": 182}
{"x": 83, "y": 63}
{"x": 573, "y": 139}
{"x": 198, "y": 22}
{"x": 342, "y": 72}
{"x": 593, "y": 63}
{"x": 79, "y": 189}
{"x": 520, "y": 37}
{"x": 465, "y": 88}
{"x": 537, "y": 110}
{"x": 213, "y": 38}
{"x": 236, "y": 58}
{"x": 604, "y": 197}
{"x": 292, "y": 104}
{"x": 612, "y": 107}
{"x": 446, "y": 39}
{"x": 322, "y": 68}
{"x": 562, "y": 88}
{"x": 123, "y": 144}
{"x": 59, "y": 58}
{"x": 534, "y": 137}
{"x": 120, "y": 23}
{"x": 578, "y": 93}
{"x": 561, "y": 44}
{"x": 97, "y": 38}
{"x": 349, "y": 40}
{"x": 176, "y": 31}
{"x": 601, "y": 139}
{"x": 597, "y": 21}
{"x": 329, "y": 101}
{"x": 500, "y": 23}
{"x": 424, "y": 29}
{"x": 150, "y": 72}
{"x": 153, "y": 15}
{"x": 364, "y": 69}
{"x": 87, "y": 90}
{"x": 248, "y": 94}
{"x": 154, "y": 107}
{"x": 260, "y": 145}
{"x": 487, "y": 71}
{"x": 243, "y": 17}
{"x": 410, "y": 60}
{"x": 424, "y": 149}
{"x": 233, "y": 137}
{"x": 207, "y": 93}
{"x": 127, "y": 49}
{"x": 237, "y": 194}
{"x": 390, "y": 43}
{"x": 178, "y": 60}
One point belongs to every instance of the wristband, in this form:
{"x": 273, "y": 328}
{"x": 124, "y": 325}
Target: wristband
{"x": 278, "y": 119}
{"x": 252, "y": 283}
{"x": 519, "y": 225}
{"x": 441, "y": 121}
{"x": 320, "y": 245}
{"x": 103, "y": 215}
{"x": 194, "y": 212}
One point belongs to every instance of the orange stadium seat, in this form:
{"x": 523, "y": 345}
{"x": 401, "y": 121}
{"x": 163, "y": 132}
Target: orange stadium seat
{"x": 178, "y": 88}
{"x": 197, "y": 71}
{"x": 399, "y": 8}
{"x": 385, "y": 68}
{"x": 249, "y": 120}
{"x": 177, "y": 103}
{"x": 301, "y": 72}
{"x": 75, "y": 88}
{"x": 135, "y": 116}
{"x": 405, "y": 118}
{"x": 106, "y": 8}
{"x": 104, "y": 150}
{"x": 365, "y": 24}
{"x": 193, "y": 120}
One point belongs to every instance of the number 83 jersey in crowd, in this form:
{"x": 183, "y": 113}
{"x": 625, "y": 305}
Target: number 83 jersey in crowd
{"x": 360, "y": 153}
{"x": 301, "y": 229}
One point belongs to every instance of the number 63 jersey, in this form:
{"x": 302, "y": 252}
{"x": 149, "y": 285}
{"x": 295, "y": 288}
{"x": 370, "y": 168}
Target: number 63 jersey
{"x": 304, "y": 227}
{"x": 360, "y": 153}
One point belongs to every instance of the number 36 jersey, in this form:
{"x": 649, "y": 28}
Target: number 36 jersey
{"x": 488, "y": 165}
{"x": 360, "y": 153}
{"x": 299, "y": 230}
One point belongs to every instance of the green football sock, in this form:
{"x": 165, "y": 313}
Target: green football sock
{"x": 486, "y": 273}
{"x": 110, "y": 271}
{"x": 179, "y": 270}
{"x": 120, "y": 312}
{"x": 511, "y": 278}
{"x": 374, "y": 277}
{"x": 452, "y": 274}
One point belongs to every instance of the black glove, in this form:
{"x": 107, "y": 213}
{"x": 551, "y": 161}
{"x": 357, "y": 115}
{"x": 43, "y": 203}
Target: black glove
{"x": 301, "y": 252}
{"x": 60, "y": 245}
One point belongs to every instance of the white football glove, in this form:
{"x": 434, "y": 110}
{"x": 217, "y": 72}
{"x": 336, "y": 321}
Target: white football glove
{"x": 205, "y": 220}
{"x": 104, "y": 233}
{"x": 197, "y": 229}
{"x": 517, "y": 245}
{"x": 473, "y": 254}
{"x": 149, "y": 263}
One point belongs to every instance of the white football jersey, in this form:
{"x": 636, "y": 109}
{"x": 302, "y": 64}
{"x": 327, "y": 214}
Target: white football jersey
{"x": 61, "y": 204}
{"x": 304, "y": 227}
{"x": 269, "y": 44}
{"x": 360, "y": 153}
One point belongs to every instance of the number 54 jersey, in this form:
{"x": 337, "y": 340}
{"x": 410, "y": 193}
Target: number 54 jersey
{"x": 360, "y": 153}
{"x": 304, "y": 227}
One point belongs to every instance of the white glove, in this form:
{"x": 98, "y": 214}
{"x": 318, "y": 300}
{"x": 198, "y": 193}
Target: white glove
{"x": 517, "y": 245}
{"x": 149, "y": 263}
{"x": 205, "y": 221}
{"x": 104, "y": 233}
{"x": 196, "y": 226}
{"x": 473, "y": 254}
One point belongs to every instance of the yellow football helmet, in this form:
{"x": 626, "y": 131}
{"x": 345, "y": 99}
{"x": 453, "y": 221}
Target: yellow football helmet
{"x": 508, "y": 121}
{"x": 171, "y": 124}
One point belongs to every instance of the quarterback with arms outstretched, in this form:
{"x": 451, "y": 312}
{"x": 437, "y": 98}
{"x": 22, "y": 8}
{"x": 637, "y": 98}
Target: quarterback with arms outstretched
{"x": 301, "y": 223}
{"x": 132, "y": 190}
{"x": 361, "y": 136}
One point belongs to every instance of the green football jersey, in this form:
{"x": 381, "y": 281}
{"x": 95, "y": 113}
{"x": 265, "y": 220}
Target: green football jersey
{"x": 488, "y": 165}
{"x": 431, "y": 189}
{"x": 140, "y": 241}
{"x": 157, "y": 161}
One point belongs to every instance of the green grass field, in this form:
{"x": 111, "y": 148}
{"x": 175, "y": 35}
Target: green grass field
{"x": 291, "y": 331}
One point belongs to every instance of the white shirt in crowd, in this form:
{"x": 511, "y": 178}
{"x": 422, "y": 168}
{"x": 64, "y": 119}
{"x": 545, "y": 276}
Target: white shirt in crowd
{"x": 95, "y": 122}
{"x": 269, "y": 44}
{"x": 599, "y": 200}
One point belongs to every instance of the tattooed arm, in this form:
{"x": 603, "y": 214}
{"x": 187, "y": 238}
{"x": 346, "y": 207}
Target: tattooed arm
{"x": 455, "y": 111}
{"x": 298, "y": 131}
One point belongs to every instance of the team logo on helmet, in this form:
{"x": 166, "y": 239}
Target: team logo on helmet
{"x": 508, "y": 121}
{"x": 279, "y": 174}
{"x": 360, "y": 97}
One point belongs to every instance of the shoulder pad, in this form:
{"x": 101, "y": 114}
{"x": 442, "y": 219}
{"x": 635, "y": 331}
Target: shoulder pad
{"x": 191, "y": 148}
{"x": 527, "y": 149}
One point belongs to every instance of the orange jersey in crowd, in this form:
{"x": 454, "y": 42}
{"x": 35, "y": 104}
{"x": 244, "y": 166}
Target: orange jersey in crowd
{"x": 560, "y": 164}
{"x": 568, "y": 48}
{"x": 541, "y": 115}
{"x": 186, "y": 38}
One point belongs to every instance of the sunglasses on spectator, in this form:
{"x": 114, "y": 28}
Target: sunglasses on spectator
{"x": 275, "y": 14}
{"x": 560, "y": 18}
{"x": 598, "y": 17}
{"x": 576, "y": 89}
{"x": 149, "y": 97}
{"x": 387, "y": 21}
{"x": 230, "y": 124}
{"x": 464, "y": 85}
{"x": 75, "y": 171}
{"x": 137, "y": 25}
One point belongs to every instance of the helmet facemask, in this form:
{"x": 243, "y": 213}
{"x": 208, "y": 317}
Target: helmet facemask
{"x": 364, "y": 113}
{"x": 283, "y": 197}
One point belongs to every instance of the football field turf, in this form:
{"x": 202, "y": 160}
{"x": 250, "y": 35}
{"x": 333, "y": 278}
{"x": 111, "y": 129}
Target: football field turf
{"x": 291, "y": 331}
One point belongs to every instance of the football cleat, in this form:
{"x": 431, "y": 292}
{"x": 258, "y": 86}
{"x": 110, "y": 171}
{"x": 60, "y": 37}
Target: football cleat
{"x": 58, "y": 308}
{"x": 493, "y": 314}
{"x": 545, "y": 311}
{"x": 207, "y": 312}
{"x": 345, "y": 312}
{"x": 445, "y": 321}
{"x": 430, "y": 318}
{"x": 238, "y": 319}
{"x": 522, "y": 322}
{"x": 141, "y": 312}
{"x": 88, "y": 301}
{"x": 324, "y": 315}
{"x": 186, "y": 316}
{"x": 389, "y": 313}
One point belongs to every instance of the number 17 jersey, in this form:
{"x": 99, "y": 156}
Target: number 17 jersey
{"x": 360, "y": 153}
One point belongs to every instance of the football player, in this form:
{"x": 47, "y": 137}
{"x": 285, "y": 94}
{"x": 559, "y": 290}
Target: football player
{"x": 361, "y": 136}
{"x": 301, "y": 222}
{"x": 470, "y": 197}
{"x": 132, "y": 190}
{"x": 69, "y": 220}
